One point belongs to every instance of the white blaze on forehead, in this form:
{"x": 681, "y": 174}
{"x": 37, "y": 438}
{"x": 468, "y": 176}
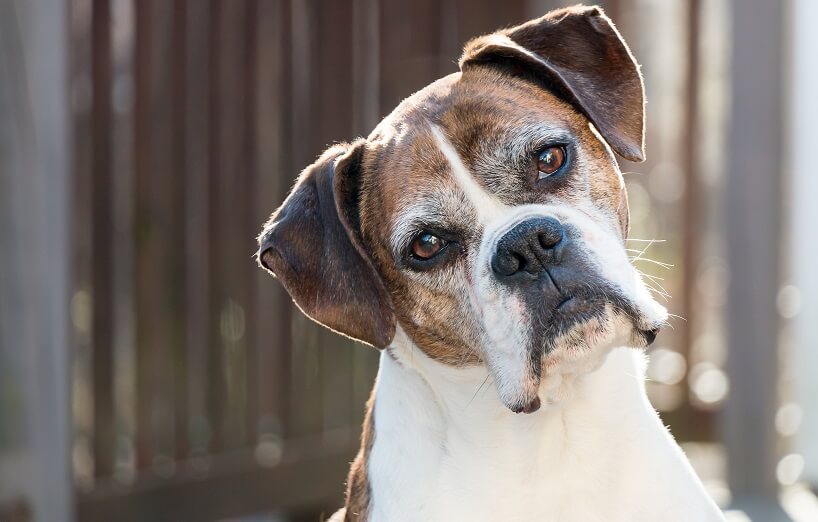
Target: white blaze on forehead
{"x": 486, "y": 205}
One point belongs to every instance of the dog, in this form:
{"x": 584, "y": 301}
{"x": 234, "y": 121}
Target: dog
{"x": 477, "y": 238}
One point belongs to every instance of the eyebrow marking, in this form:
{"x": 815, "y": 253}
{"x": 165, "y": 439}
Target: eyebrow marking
{"x": 487, "y": 206}
{"x": 403, "y": 227}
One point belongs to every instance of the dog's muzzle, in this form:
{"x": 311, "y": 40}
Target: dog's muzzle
{"x": 540, "y": 260}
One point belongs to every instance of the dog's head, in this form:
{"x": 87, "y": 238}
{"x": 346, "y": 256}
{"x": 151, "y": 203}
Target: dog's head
{"x": 486, "y": 216}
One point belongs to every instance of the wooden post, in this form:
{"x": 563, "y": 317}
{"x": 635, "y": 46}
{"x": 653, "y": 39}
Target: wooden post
{"x": 102, "y": 297}
{"x": 753, "y": 210}
{"x": 34, "y": 254}
{"x": 803, "y": 218}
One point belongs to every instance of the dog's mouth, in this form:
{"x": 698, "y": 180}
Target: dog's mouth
{"x": 582, "y": 322}
{"x": 573, "y": 306}
{"x": 589, "y": 313}
{"x": 571, "y": 316}
{"x": 559, "y": 306}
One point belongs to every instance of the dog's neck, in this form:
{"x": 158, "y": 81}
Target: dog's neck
{"x": 445, "y": 447}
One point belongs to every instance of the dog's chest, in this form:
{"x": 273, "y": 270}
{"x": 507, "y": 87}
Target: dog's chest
{"x": 489, "y": 465}
{"x": 587, "y": 463}
{"x": 500, "y": 483}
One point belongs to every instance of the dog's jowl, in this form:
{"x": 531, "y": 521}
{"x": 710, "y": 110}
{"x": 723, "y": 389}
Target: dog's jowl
{"x": 476, "y": 237}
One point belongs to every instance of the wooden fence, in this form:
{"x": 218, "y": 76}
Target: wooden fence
{"x": 198, "y": 392}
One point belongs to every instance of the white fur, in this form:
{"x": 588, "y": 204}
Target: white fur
{"x": 446, "y": 449}
{"x": 488, "y": 207}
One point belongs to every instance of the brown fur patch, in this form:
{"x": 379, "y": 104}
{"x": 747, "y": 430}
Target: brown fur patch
{"x": 359, "y": 492}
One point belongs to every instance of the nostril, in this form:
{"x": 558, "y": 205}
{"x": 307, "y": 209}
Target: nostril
{"x": 264, "y": 257}
{"x": 508, "y": 263}
{"x": 551, "y": 233}
{"x": 519, "y": 262}
{"x": 550, "y": 240}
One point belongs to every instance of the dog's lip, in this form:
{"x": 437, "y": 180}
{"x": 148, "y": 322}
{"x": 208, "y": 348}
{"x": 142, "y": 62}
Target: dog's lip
{"x": 572, "y": 304}
{"x": 650, "y": 335}
{"x": 567, "y": 302}
{"x": 532, "y": 406}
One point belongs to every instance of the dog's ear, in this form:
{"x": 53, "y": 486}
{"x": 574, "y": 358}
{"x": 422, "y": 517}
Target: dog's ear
{"x": 312, "y": 245}
{"x": 579, "y": 53}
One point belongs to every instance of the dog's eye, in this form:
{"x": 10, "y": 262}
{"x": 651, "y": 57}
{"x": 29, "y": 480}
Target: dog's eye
{"x": 427, "y": 245}
{"x": 550, "y": 160}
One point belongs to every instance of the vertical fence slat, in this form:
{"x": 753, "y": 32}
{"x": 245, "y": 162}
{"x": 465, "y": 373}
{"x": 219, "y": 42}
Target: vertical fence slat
{"x": 249, "y": 220}
{"x": 365, "y": 65}
{"x": 700, "y": 423}
{"x": 178, "y": 93}
{"x": 215, "y": 377}
{"x": 410, "y": 51}
{"x": 102, "y": 242}
{"x": 81, "y": 242}
{"x": 230, "y": 209}
{"x": 158, "y": 267}
{"x": 753, "y": 210}
{"x": 167, "y": 232}
{"x": 197, "y": 236}
{"x": 144, "y": 439}
{"x": 34, "y": 272}
{"x": 274, "y": 309}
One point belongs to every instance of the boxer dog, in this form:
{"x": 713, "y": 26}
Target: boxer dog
{"x": 477, "y": 237}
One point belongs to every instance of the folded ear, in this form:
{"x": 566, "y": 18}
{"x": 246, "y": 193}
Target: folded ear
{"x": 579, "y": 53}
{"x": 312, "y": 245}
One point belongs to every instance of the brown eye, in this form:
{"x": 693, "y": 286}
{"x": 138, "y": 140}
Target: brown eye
{"x": 550, "y": 160}
{"x": 426, "y": 246}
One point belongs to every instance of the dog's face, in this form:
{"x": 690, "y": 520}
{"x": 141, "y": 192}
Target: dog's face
{"x": 486, "y": 216}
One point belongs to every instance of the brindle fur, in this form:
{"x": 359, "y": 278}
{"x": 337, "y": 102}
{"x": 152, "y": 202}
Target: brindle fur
{"x": 344, "y": 271}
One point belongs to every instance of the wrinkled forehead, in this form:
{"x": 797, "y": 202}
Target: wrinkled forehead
{"x": 460, "y": 144}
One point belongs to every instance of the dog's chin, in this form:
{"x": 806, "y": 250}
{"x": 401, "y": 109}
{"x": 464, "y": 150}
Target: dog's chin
{"x": 580, "y": 335}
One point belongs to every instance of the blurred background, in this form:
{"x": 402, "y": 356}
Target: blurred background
{"x": 149, "y": 370}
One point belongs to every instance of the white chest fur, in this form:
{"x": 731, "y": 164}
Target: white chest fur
{"x": 446, "y": 449}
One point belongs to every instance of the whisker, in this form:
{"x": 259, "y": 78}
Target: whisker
{"x": 661, "y": 294}
{"x": 650, "y": 244}
{"x": 478, "y": 390}
{"x": 652, "y": 277}
{"x": 658, "y": 290}
{"x": 658, "y": 284}
{"x": 653, "y": 261}
{"x": 661, "y": 290}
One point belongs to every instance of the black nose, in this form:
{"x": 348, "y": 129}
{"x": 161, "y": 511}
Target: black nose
{"x": 528, "y": 248}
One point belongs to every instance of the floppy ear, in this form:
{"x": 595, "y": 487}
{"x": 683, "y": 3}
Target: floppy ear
{"x": 579, "y": 53}
{"x": 312, "y": 245}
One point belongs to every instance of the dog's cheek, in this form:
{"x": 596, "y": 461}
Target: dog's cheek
{"x": 615, "y": 267}
{"x": 433, "y": 310}
{"x": 599, "y": 239}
